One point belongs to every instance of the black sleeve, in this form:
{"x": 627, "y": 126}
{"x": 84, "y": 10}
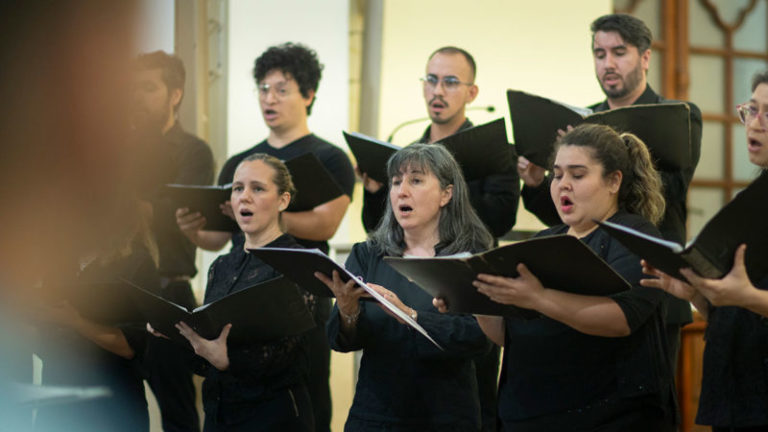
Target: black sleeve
{"x": 196, "y": 165}
{"x": 495, "y": 199}
{"x": 539, "y": 202}
{"x": 228, "y": 171}
{"x": 638, "y": 303}
{"x": 338, "y": 165}
{"x": 374, "y": 205}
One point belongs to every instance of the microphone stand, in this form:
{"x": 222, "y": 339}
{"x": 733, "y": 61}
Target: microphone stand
{"x": 487, "y": 108}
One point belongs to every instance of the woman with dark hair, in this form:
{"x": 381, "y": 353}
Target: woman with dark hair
{"x": 253, "y": 386}
{"x": 405, "y": 382}
{"x": 734, "y": 386}
{"x": 85, "y": 342}
{"x": 588, "y": 362}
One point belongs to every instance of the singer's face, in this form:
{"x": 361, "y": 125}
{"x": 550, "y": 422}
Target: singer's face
{"x": 446, "y": 103}
{"x": 619, "y": 66}
{"x": 152, "y": 101}
{"x": 256, "y": 199}
{"x": 757, "y": 127}
{"x": 282, "y": 104}
{"x": 417, "y": 197}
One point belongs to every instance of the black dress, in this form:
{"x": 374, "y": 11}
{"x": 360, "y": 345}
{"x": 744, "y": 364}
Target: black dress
{"x": 72, "y": 360}
{"x": 406, "y": 383}
{"x": 557, "y": 378}
{"x": 264, "y": 388}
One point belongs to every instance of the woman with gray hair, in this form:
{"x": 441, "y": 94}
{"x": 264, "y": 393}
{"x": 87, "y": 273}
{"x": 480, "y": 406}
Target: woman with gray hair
{"x": 405, "y": 382}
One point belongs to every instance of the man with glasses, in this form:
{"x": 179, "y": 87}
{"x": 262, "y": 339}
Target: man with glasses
{"x": 448, "y": 86}
{"x": 287, "y": 77}
{"x": 621, "y": 49}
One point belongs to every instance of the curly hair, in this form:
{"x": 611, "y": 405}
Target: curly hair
{"x": 296, "y": 60}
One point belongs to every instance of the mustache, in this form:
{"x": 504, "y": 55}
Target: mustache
{"x": 438, "y": 98}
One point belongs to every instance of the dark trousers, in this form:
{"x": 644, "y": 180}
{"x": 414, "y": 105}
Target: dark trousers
{"x": 289, "y": 410}
{"x": 320, "y": 367}
{"x": 487, "y": 373}
{"x": 168, "y": 373}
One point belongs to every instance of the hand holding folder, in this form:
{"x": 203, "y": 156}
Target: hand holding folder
{"x": 300, "y": 266}
{"x": 711, "y": 254}
{"x": 451, "y": 277}
{"x": 267, "y": 311}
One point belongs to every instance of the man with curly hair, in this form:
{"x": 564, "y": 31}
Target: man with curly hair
{"x": 287, "y": 77}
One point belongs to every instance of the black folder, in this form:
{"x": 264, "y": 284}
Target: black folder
{"x": 300, "y": 266}
{"x": 314, "y": 184}
{"x": 263, "y": 312}
{"x": 482, "y": 150}
{"x": 664, "y": 128}
{"x": 741, "y": 221}
{"x": 371, "y": 154}
{"x": 105, "y": 302}
{"x": 560, "y": 262}
{"x": 206, "y": 200}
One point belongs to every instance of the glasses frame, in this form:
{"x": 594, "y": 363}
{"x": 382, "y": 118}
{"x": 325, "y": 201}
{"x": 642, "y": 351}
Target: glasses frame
{"x": 451, "y": 85}
{"x": 262, "y": 90}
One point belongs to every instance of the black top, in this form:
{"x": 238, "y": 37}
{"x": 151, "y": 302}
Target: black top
{"x": 404, "y": 380}
{"x": 672, "y": 226}
{"x": 182, "y": 158}
{"x": 494, "y": 198}
{"x": 550, "y": 368}
{"x": 734, "y": 386}
{"x": 69, "y": 359}
{"x": 255, "y": 370}
{"x": 333, "y": 159}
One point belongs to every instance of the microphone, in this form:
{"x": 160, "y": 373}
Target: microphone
{"x": 486, "y": 108}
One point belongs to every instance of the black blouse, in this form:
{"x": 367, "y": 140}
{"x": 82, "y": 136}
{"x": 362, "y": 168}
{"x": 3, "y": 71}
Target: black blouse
{"x": 404, "y": 380}
{"x": 550, "y": 368}
{"x": 734, "y": 387}
{"x": 255, "y": 370}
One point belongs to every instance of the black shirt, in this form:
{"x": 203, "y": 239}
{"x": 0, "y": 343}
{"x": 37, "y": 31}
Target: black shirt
{"x": 404, "y": 379}
{"x": 495, "y": 198}
{"x": 255, "y": 370}
{"x": 180, "y": 158}
{"x": 333, "y": 159}
{"x": 550, "y": 368}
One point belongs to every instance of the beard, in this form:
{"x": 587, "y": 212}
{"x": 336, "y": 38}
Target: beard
{"x": 630, "y": 82}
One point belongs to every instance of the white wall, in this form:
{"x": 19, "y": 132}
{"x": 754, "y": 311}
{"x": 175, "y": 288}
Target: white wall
{"x": 540, "y": 47}
{"x": 256, "y": 25}
{"x": 156, "y": 25}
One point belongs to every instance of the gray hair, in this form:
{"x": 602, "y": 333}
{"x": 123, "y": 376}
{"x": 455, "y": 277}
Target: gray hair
{"x": 459, "y": 229}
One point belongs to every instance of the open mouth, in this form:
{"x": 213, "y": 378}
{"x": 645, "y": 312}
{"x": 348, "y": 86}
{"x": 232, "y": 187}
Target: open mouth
{"x": 754, "y": 144}
{"x": 246, "y": 213}
{"x": 405, "y": 209}
{"x": 565, "y": 203}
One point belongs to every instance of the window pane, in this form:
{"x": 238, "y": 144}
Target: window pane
{"x": 707, "y": 79}
{"x": 751, "y": 36}
{"x": 703, "y": 32}
{"x": 703, "y": 203}
{"x": 654, "y": 70}
{"x": 711, "y": 161}
{"x": 743, "y": 70}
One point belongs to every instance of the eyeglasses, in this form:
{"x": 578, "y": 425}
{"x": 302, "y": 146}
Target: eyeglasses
{"x": 450, "y": 83}
{"x": 747, "y": 112}
{"x": 279, "y": 90}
